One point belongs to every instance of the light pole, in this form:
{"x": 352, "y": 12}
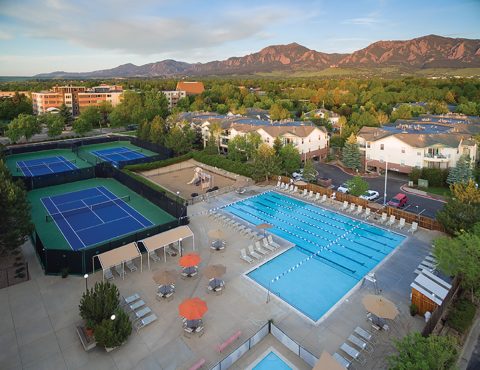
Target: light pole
{"x": 180, "y": 247}
{"x": 177, "y": 202}
{"x": 385, "y": 188}
{"x": 86, "y": 282}
{"x": 112, "y": 317}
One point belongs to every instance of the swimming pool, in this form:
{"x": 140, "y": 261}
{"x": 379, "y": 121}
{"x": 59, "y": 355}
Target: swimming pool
{"x": 271, "y": 360}
{"x": 332, "y": 252}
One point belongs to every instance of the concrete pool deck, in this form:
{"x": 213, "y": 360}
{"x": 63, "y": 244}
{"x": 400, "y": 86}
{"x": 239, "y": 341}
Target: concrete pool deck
{"x": 38, "y": 317}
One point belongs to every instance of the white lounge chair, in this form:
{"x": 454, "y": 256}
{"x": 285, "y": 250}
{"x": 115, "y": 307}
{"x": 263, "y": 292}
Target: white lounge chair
{"x": 324, "y": 198}
{"x": 364, "y": 346}
{"x": 265, "y": 245}
{"x": 367, "y": 213}
{"x": 310, "y": 194}
{"x": 120, "y": 270}
{"x": 131, "y": 266}
{"x": 131, "y": 298}
{"x": 271, "y": 242}
{"x": 252, "y": 252}
{"x": 145, "y": 321}
{"x": 154, "y": 256}
{"x": 342, "y": 360}
{"x": 352, "y": 208}
{"x": 317, "y": 197}
{"x": 291, "y": 188}
{"x": 345, "y": 205}
{"x": 142, "y": 312}
{"x": 304, "y": 194}
{"x": 391, "y": 221}
{"x": 295, "y": 189}
{"x": 359, "y": 210}
{"x": 353, "y": 353}
{"x": 413, "y": 228}
{"x": 107, "y": 274}
{"x": 384, "y": 218}
{"x": 136, "y": 305}
{"x": 259, "y": 249}
{"x": 245, "y": 257}
{"x": 278, "y": 184}
{"x": 401, "y": 224}
{"x": 365, "y": 334}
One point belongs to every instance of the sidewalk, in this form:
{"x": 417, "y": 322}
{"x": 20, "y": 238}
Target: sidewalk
{"x": 421, "y": 193}
{"x": 468, "y": 352}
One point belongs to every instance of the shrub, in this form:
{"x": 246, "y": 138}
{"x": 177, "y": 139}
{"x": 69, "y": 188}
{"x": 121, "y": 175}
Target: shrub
{"x": 216, "y": 160}
{"x": 461, "y": 315}
{"x": 158, "y": 164}
{"x": 113, "y": 333}
{"x": 98, "y": 303}
{"x": 413, "y": 309}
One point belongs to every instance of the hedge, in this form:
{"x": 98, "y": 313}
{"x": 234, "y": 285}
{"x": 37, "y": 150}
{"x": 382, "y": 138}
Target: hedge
{"x": 436, "y": 177}
{"x": 158, "y": 164}
{"x": 461, "y": 315}
{"x": 216, "y": 160}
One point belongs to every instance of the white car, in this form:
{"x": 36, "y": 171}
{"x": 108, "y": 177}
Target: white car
{"x": 298, "y": 174}
{"x": 343, "y": 188}
{"x": 370, "y": 195}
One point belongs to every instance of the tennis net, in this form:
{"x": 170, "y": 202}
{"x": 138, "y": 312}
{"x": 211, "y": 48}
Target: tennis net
{"x": 120, "y": 152}
{"x": 44, "y": 164}
{"x": 91, "y": 207}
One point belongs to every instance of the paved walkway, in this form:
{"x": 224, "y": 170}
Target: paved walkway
{"x": 38, "y": 317}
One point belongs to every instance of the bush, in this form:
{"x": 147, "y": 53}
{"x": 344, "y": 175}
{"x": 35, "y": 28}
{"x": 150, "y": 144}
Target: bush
{"x": 435, "y": 176}
{"x": 113, "y": 333}
{"x": 413, "y": 309}
{"x": 461, "y": 315}
{"x": 217, "y": 160}
{"x": 98, "y": 303}
{"x": 158, "y": 164}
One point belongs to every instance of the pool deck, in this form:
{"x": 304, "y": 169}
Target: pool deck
{"x": 38, "y": 317}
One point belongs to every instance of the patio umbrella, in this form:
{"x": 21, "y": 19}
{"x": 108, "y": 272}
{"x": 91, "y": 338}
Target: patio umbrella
{"x": 380, "y": 306}
{"x": 189, "y": 260}
{"x": 216, "y": 234}
{"x": 166, "y": 277}
{"x": 192, "y": 308}
{"x": 165, "y": 289}
{"x": 264, "y": 226}
{"x": 300, "y": 183}
{"x": 214, "y": 271}
{"x": 327, "y": 362}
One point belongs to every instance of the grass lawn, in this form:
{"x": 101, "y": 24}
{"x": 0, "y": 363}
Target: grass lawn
{"x": 444, "y": 192}
{"x": 131, "y": 132}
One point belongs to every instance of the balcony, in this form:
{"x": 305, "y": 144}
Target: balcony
{"x": 438, "y": 157}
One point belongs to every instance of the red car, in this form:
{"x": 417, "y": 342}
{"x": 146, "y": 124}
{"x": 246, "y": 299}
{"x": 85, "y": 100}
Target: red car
{"x": 398, "y": 201}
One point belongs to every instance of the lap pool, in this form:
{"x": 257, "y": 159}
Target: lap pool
{"x": 332, "y": 252}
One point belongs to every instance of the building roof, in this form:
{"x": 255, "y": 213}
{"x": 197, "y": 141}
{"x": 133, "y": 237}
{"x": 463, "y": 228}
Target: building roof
{"x": 191, "y": 87}
{"x": 300, "y": 131}
{"x": 431, "y": 286}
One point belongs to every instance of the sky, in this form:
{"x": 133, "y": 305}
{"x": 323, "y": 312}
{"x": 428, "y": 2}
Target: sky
{"x": 78, "y": 35}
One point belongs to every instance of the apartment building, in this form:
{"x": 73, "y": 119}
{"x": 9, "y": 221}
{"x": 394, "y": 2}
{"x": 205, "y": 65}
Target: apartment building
{"x": 174, "y": 96}
{"x": 75, "y": 97}
{"x": 417, "y": 144}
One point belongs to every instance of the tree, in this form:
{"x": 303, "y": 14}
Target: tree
{"x": 158, "y": 130}
{"x": 24, "y": 125}
{"x": 15, "y": 224}
{"x": 437, "y": 107}
{"x": 342, "y": 121}
{"x": 113, "y": 333}
{"x": 265, "y": 163}
{"x": 416, "y": 352}
{"x": 466, "y": 193}
{"x": 351, "y": 153}
{"x": 290, "y": 159}
{"x": 155, "y": 103}
{"x": 278, "y": 112}
{"x": 104, "y": 109}
{"x": 66, "y": 114}
{"x": 277, "y": 145}
{"x": 98, "y": 303}
{"x": 81, "y": 126}
{"x": 180, "y": 139}
{"x": 357, "y": 186}
{"x": 456, "y": 216}
{"x": 91, "y": 116}
{"x": 54, "y": 122}
{"x": 459, "y": 256}
{"x": 143, "y": 130}
{"x": 462, "y": 172}
{"x": 215, "y": 131}
{"x": 469, "y": 108}
{"x": 404, "y": 111}
{"x": 309, "y": 171}
{"x": 236, "y": 149}
{"x": 11, "y": 107}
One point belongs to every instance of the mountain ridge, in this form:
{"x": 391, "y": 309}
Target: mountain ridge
{"x": 431, "y": 51}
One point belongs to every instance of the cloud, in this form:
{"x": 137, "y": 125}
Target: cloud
{"x": 5, "y": 35}
{"x": 136, "y": 27}
{"x": 369, "y": 20}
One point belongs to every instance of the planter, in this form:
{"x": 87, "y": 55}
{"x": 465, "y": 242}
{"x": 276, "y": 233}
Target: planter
{"x": 110, "y": 349}
{"x": 89, "y": 332}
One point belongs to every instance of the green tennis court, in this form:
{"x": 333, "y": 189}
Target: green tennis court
{"x": 16, "y": 162}
{"x": 91, "y": 152}
{"x": 53, "y": 237}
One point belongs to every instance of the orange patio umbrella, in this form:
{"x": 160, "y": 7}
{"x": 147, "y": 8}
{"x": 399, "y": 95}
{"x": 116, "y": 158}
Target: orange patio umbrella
{"x": 192, "y": 308}
{"x": 190, "y": 260}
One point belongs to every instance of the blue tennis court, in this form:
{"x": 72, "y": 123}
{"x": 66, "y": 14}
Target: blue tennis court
{"x": 44, "y": 166}
{"x": 93, "y": 215}
{"x": 119, "y": 154}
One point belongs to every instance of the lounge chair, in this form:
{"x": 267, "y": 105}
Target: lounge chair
{"x": 257, "y": 247}
{"x": 290, "y": 188}
{"x": 278, "y": 184}
{"x": 324, "y": 198}
{"x": 252, "y": 252}
{"x": 413, "y": 228}
{"x": 107, "y": 274}
{"x": 401, "y": 224}
{"x": 136, "y": 305}
{"x": 359, "y": 210}
{"x": 367, "y": 213}
{"x": 352, "y": 208}
{"x": 153, "y": 255}
{"x": 364, "y": 334}
{"x": 271, "y": 242}
{"x": 295, "y": 189}
{"x": 142, "y": 312}
{"x": 120, "y": 270}
{"x": 364, "y": 346}
{"x": 304, "y": 194}
{"x": 245, "y": 257}
{"x": 145, "y": 321}
{"x": 353, "y": 353}
{"x": 345, "y": 205}
{"x": 265, "y": 245}
{"x": 310, "y": 194}
{"x": 431, "y": 259}
{"x": 317, "y": 197}
{"x": 384, "y": 218}
{"x": 131, "y": 298}
{"x": 391, "y": 221}
{"x": 342, "y": 360}
{"x": 131, "y": 266}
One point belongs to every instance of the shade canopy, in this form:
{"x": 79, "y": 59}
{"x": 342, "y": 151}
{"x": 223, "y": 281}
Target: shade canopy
{"x": 118, "y": 255}
{"x": 214, "y": 271}
{"x": 192, "y": 308}
{"x": 380, "y": 306}
{"x": 264, "y": 226}
{"x": 327, "y": 362}
{"x": 189, "y": 260}
{"x": 164, "y": 277}
{"x": 216, "y": 234}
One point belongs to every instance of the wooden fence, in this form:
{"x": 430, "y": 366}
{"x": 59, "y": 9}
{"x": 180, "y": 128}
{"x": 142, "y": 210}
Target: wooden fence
{"x": 423, "y": 221}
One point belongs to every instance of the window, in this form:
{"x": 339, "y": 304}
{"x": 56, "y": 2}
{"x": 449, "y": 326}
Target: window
{"x": 382, "y": 146}
{"x": 419, "y": 153}
{"x": 402, "y": 162}
{"x": 403, "y": 150}
{"x": 302, "y": 141}
{"x": 368, "y": 144}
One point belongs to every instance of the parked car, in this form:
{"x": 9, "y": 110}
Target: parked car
{"x": 398, "y": 201}
{"x": 370, "y": 195}
{"x": 298, "y": 175}
{"x": 343, "y": 188}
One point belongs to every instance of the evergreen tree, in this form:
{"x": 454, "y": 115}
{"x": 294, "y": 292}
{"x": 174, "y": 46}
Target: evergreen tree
{"x": 351, "y": 153}
{"x": 309, "y": 171}
{"x": 180, "y": 139}
{"x": 277, "y": 145}
{"x": 158, "y": 130}
{"x": 66, "y": 114}
{"x": 462, "y": 172}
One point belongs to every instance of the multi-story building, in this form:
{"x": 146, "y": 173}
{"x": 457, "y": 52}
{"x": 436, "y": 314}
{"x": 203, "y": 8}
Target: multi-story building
{"x": 75, "y": 97}
{"x": 174, "y": 96}
{"x": 190, "y": 87}
{"x": 11, "y": 94}
{"x": 432, "y": 143}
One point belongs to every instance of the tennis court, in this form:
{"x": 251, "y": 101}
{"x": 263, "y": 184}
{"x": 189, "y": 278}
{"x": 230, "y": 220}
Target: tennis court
{"x": 85, "y": 213}
{"x": 43, "y": 166}
{"x": 112, "y": 152}
{"x": 117, "y": 155}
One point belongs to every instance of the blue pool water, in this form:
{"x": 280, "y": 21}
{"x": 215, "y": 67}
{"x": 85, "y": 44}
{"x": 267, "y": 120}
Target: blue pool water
{"x": 332, "y": 252}
{"x": 271, "y": 362}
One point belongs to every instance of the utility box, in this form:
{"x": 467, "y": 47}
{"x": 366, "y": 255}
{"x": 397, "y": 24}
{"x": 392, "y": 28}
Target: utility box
{"x": 422, "y": 183}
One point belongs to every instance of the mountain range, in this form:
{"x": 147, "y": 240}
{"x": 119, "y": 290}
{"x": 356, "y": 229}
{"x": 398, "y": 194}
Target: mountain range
{"x": 430, "y": 51}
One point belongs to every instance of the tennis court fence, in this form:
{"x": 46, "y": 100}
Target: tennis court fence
{"x": 51, "y": 179}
